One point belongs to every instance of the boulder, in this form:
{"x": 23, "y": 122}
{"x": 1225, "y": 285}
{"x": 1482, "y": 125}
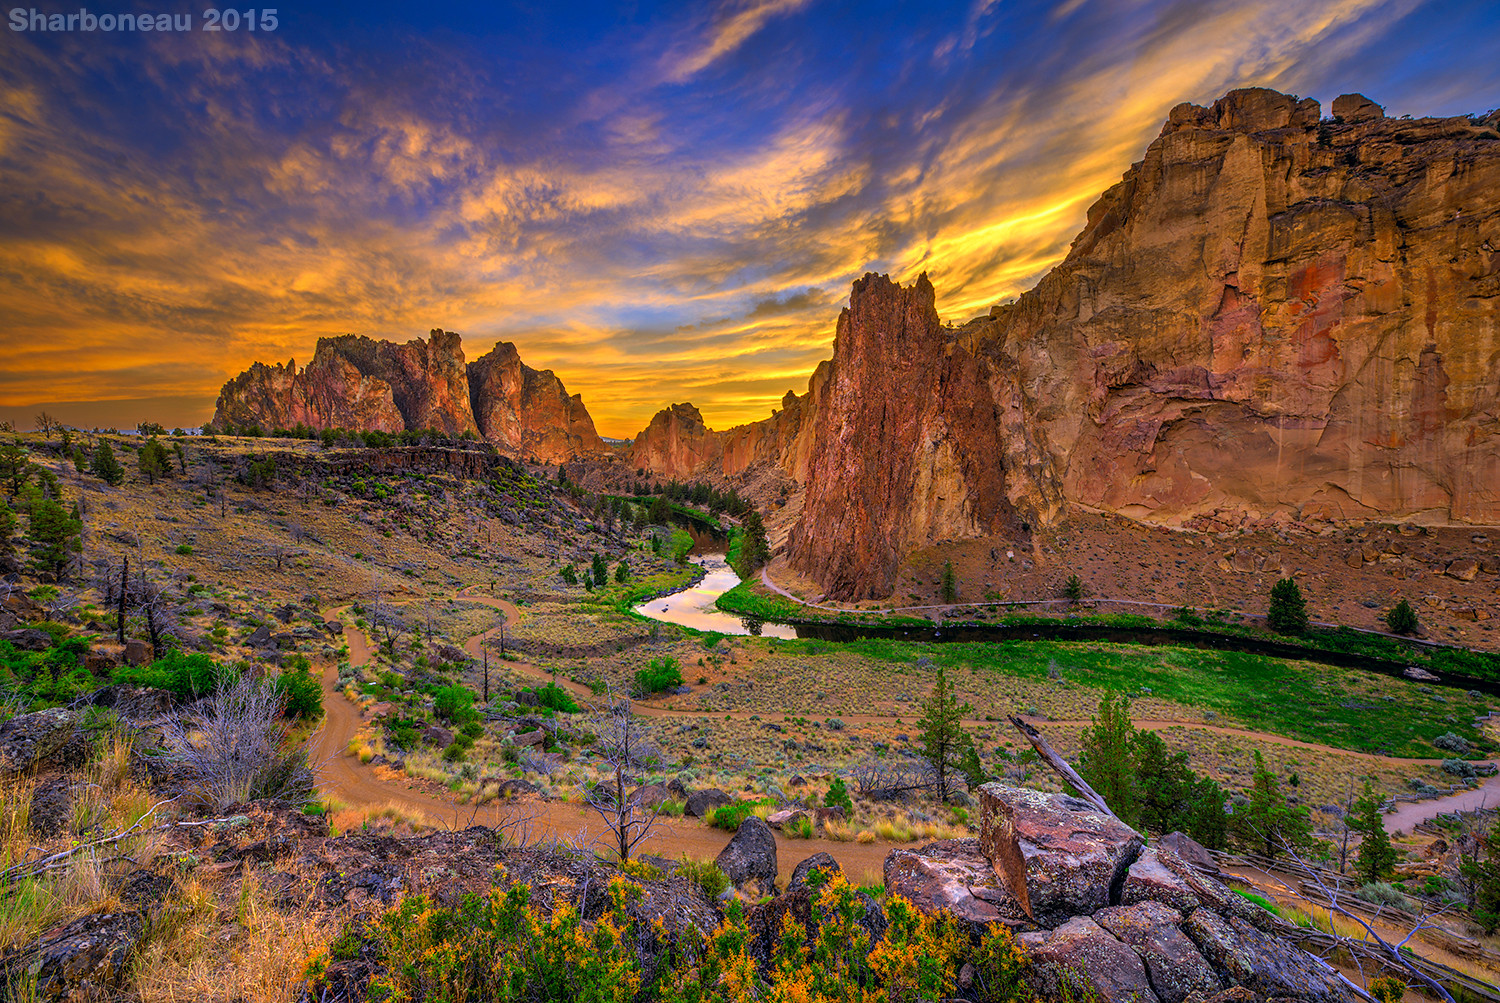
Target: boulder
{"x": 1173, "y": 963}
{"x": 820, "y": 862}
{"x": 701, "y": 804}
{"x": 953, "y": 875}
{"x": 1056, "y": 855}
{"x": 1356, "y": 108}
{"x": 780, "y": 819}
{"x": 829, "y": 813}
{"x": 1421, "y": 675}
{"x": 1080, "y": 955}
{"x": 1191, "y": 851}
{"x": 1266, "y": 964}
{"x": 649, "y": 796}
{"x": 85, "y": 959}
{"x": 527, "y": 739}
{"x": 1465, "y": 569}
{"x": 28, "y": 639}
{"x": 678, "y": 789}
{"x": 31, "y": 739}
{"x": 137, "y": 652}
{"x": 1160, "y": 875}
{"x": 750, "y": 855}
{"x": 435, "y": 734}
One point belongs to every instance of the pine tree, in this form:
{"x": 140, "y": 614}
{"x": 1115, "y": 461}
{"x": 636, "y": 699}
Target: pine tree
{"x": 1376, "y": 859}
{"x": 1105, "y": 761}
{"x": 950, "y": 585}
{"x": 14, "y": 466}
{"x": 1402, "y": 618}
{"x": 569, "y": 574}
{"x": 154, "y": 461}
{"x": 622, "y": 572}
{"x": 1073, "y": 588}
{"x": 1287, "y": 613}
{"x": 1163, "y": 783}
{"x": 1266, "y": 823}
{"x": 53, "y": 534}
{"x": 601, "y": 571}
{"x": 943, "y": 736}
{"x": 7, "y": 531}
{"x": 105, "y": 466}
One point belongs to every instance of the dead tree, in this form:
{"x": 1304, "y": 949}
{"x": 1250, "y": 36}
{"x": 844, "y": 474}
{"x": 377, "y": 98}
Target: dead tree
{"x": 1062, "y": 767}
{"x": 623, "y": 743}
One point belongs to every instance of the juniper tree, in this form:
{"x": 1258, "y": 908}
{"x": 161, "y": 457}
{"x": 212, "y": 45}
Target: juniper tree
{"x": 53, "y": 534}
{"x": 944, "y": 741}
{"x": 1105, "y": 760}
{"x": 105, "y": 466}
{"x": 601, "y": 571}
{"x": 1401, "y": 618}
{"x": 1267, "y": 823}
{"x": 153, "y": 461}
{"x": 950, "y": 585}
{"x": 1376, "y": 858}
{"x": 1288, "y": 612}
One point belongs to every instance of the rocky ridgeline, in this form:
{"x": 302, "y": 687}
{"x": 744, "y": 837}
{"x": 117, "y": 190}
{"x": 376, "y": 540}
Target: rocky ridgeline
{"x": 361, "y": 384}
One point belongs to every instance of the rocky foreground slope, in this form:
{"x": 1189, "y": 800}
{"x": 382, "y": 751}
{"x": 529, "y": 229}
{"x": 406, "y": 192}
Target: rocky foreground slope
{"x": 361, "y": 384}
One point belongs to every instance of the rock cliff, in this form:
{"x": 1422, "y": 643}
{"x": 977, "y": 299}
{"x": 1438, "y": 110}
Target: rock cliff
{"x": 1272, "y": 315}
{"x": 357, "y": 383}
{"x": 527, "y": 411}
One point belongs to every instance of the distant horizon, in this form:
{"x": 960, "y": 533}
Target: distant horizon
{"x": 660, "y": 204}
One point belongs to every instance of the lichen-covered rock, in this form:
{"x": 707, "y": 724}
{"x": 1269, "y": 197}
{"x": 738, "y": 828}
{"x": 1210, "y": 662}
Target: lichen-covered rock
{"x": 32, "y": 739}
{"x": 1173, "y": 963}
{"x": 952, "y": 875}
{"x": 1080, "y": 954}
{"x": 1057, "y": 856}
{"x": 750, "y": 855}
{"x": 819, "y": 862}
{"x": 85, "y": 959}
{"x": 1266, "y": 964}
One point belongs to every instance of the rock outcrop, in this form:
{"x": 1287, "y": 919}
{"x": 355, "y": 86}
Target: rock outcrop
{"x": 1272, "y": 315}
{"x": 528, "y": 412}
{"x": 1089, "y": 904}
{"x": 676, "y": 443}
{"x": 364, "y": 385}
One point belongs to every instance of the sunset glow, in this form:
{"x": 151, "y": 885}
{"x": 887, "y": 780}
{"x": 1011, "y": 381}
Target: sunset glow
{"x": 666, "y": 204}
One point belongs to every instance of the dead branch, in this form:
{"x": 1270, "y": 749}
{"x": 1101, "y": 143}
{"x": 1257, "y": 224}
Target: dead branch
{"x": 1062, "y": 768}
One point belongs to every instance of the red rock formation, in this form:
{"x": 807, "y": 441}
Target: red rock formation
{"x": 1270, "y": 315}
{"x": 360, "y": 384}
{"x": 356, "y": 383}
{"x": 676, "y": 444}
{"x": 528, "y": 412}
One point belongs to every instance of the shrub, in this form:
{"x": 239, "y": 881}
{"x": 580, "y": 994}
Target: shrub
{"x": 662, "y": 674}
{"x": 1458, "y": 767}
{"x": 730, "y": 816}
{"x": 1401, "y": 618}
{"x": 301, "y": 693}
{"x": 185, "y": 676}
{"x": 1383, "y": 893}
{"x": 233, "y": 747}
{"x": 185, "y": 549}
{"x": 551, "y": 696}
{"x": 1287, "y": 613}
{"x": 838, "y": 796}
{"x": 706, "y": 874}
{"x": 799, "y": 827}
{"x": 1450, "y": 742}
{"x": 454, "y": 704}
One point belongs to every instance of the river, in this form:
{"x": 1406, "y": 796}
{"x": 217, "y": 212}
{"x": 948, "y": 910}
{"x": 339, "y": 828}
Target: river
{"x": 694, "y": 606}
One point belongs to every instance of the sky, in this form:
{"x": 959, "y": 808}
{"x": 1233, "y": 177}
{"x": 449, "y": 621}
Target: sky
{"x": 659, "y": 202}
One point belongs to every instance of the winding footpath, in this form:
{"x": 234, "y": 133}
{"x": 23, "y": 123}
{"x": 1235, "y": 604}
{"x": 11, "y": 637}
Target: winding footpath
{"x": 361, "y": 786}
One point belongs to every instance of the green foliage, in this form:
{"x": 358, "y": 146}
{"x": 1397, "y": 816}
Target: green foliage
{"x": 749, "y": 546}
{"x": 1376, "y": 859}
{"x": 551, "y": 696}
{"x": 453, "y": 704}
{"x": 1288, "y": 612}
{"x": 185, "y": 549}
{"x": 730, "y": 816}
{"x": 950, "y": 584}
{"x": 1266, "y": 823}
{"x": 944, "y": 741}
{"x": 601, "y": 571}
{"x": 705, "y": 874}
{"x": 1401, "y": 618}
{"x": 570, "y": 574}
{"x": 186, "y": 676}
{"x": 105, "y": 466}
{"x": 1073, "y": 588}
{"x": 153, "y": 460}
{"x": 680, "y": 545}
{"x": 661, "y": 674}
{"x": 46, "y": 678}
{"x": 301, "y": 693}
{"x": 15, "y": 466}
{"x": 622, "y": 572}
{"x": 838, "y": 797}
{"x": 1259, "y": 900}
{"x": 7, "y": 531}
{"x": 1105, "y": 760}
{"x": 1480, "y": 869}
{"x": 52, "y": 533}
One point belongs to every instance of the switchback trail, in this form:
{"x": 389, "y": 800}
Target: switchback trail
{"x": 360, "y": 785}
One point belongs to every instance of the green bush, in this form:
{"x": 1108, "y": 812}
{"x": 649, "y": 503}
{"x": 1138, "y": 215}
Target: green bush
{"x": 730, "y": 816}
{"x": 453, "y": 704}
{"x": 551, "y": 696}
{"x": 301, "y": 693}
{"x": 662, "y": 674}
{"x": 838, "y": 796}
{"x": 706, "y": 874}
{"x": 185, "y": 676}
{"x": 185, "y": 549}
{"x": 1401, "y": 618}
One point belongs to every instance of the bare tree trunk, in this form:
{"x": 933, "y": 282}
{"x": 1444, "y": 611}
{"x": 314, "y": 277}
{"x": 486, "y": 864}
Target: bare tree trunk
{"x": 124, "y": 583}
{"x": 1061, "y": 766}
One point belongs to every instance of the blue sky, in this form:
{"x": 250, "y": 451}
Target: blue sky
{"x": 661, "y": 202}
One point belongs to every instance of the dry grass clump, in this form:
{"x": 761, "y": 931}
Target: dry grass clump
{"x": 249, "y": 951}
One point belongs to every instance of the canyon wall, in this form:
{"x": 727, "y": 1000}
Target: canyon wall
{"x": 361, "y": 384}
{"x": 1270, "y": 316}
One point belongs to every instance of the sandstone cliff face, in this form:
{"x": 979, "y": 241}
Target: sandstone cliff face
{"x": 528, "y": 412}
{"x": 356, "y": 383}
{"x": 1271, "y": 316}
{"x": 676, "y": 444}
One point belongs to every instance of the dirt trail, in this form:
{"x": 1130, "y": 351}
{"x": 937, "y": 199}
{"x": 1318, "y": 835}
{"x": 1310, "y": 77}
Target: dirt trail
{"x": 360, "y": 785}
{"x": 1409, "y": 814}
